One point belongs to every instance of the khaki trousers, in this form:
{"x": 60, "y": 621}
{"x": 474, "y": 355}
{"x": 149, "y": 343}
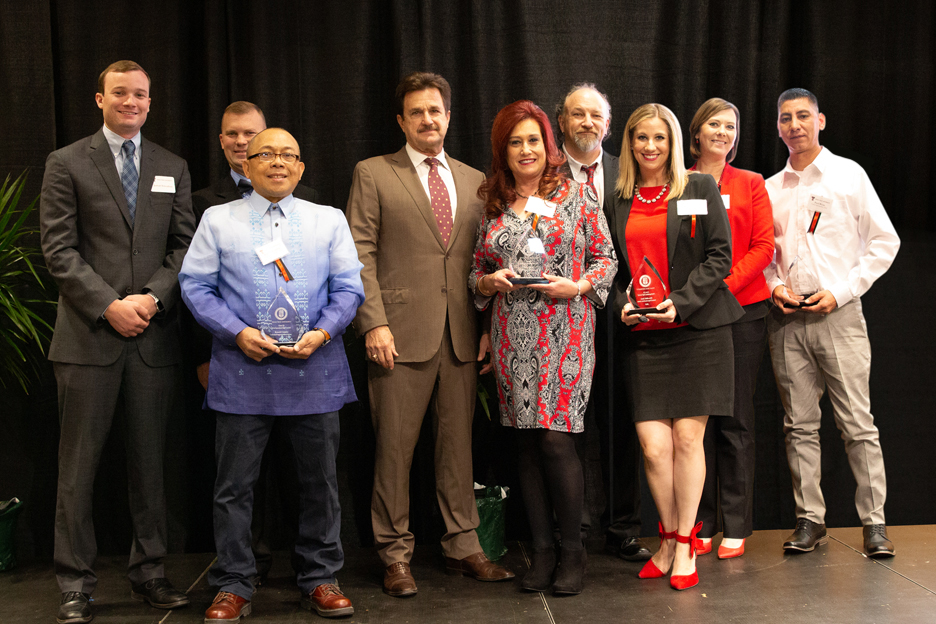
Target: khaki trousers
{"x": 399, "y": 400}
{"x": 812, "y": 354}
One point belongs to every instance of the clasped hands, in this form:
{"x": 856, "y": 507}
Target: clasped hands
{"x": 667, "y": 313}
{"x": 823, "y": 302}
{"x": 131, "y": 315}
{"x": 257, "y": 346}
{"x": 557, "y": 288}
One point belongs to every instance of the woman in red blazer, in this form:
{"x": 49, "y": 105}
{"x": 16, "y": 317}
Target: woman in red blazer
{"x": 729, "y": 442}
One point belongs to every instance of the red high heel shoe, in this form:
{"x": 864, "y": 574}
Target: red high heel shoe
{"x": 730, "y": 553}
{"x": 685, "y": 581}
{"x": 650, "y": 571}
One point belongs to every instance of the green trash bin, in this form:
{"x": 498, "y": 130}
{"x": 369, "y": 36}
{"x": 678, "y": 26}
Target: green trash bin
{"x": 9, "y": 511}
{"x": 492, "y": 501}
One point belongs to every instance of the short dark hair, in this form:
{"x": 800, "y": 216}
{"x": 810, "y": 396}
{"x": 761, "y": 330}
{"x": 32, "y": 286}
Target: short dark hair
{"x": 242, "y": 107}
{"x": 120, "y": 67}
{"x": 796, "y": 94}
{"x": 417, "y": 81}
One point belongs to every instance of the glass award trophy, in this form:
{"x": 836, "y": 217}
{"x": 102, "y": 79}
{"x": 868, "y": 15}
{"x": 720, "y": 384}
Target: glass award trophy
{"x": 803, "y": 282}
{"x": 646, "y": 290}
{"x": 528, "y": 260}
{"x": 284, "y": 325}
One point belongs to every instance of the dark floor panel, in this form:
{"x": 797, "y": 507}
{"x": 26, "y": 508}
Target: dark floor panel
{"x": 835, "y": 584}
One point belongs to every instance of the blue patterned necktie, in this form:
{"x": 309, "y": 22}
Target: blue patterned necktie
{"x": 129, "y": 178}
{"x": 245, "y": 188}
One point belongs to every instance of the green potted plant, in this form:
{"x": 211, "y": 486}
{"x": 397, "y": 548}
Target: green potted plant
{"x": 24, "y": 296}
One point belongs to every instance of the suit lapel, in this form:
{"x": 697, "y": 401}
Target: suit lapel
{"x": 621, "y": 223}
{"x": 226, "y": 190}
{"x": 463, "y": 191}
{"x": 147, "y": 176}
{"x": 103, "y": 159}
{"x": 672, "y": 229}
{"x": 404, "y": 170}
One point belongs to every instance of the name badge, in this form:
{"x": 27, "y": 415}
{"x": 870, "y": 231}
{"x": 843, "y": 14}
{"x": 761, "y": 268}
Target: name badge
{"x": 163, "y": 184}
{"x": 691, "y": 207}
{"x": 271, "y": 252}
{"x": 539, "y": 206}
{"x": 536, "y": 245}
{"x": 818, "y": 203}
{"x": 727, "y": 200}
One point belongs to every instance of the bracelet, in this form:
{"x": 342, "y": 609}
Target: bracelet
{"x": 578, "y": 295}
{"x": 480, "y": 289}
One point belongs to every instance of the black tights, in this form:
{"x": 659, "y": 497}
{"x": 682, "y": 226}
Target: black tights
{"x": 550, "y": 470}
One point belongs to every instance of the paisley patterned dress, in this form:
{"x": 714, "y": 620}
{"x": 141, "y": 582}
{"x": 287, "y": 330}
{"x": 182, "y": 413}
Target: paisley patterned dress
{"x": 543, "y": 348}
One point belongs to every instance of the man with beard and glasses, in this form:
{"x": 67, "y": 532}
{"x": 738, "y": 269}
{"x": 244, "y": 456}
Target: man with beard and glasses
{"x": 584, "y": 117}
{"x": 414, "y": 216}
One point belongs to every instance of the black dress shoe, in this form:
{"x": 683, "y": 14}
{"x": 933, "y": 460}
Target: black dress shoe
{"x": 160, "y": 593}
{"x": 806, "y": 536}
{"x": 74, "y": 608}
{"x": 632, "y": 550}
{"x": 876, "y": 543}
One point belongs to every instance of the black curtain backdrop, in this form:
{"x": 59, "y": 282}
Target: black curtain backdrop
{"x": 326, "y": 72}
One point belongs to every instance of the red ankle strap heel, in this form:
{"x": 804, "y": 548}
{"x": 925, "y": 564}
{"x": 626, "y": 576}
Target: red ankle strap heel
{"x": 650, "y": 571}
{"x": 685, "y": 581}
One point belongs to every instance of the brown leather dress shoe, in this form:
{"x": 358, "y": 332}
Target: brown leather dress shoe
{"x": 328, "y": 601}
{"x": 478, "y": 567}
{"x": 227, "y": 607}
{"x": 398, "y": 581}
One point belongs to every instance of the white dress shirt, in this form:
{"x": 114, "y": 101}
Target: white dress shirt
{"x": 580, "y": 176}
{"x": 854, "y": 242}
{"x": 422, "y": 170}
{"x": 115, "y": 143}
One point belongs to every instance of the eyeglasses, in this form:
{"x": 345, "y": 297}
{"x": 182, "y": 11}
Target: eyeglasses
{"x": 286, "y": 157}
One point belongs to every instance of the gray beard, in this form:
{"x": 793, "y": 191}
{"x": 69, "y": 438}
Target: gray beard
{"x": 585, "y": 144}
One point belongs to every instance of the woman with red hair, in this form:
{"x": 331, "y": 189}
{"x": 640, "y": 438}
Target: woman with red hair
{"x": 539, "y": 226}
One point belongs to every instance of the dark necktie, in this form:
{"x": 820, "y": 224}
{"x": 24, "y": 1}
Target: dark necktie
{"x": 129, "y": 178}
{"x": 245, "y": 188}
{"x": 440, "y": 200}
{"x": 590, "y": 172}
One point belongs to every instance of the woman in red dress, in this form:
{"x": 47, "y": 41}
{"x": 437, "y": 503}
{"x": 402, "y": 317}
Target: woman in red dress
{"x": 677, "y": 361}
{"x": 729, "y": 442}
{"x": 539, "y": 224}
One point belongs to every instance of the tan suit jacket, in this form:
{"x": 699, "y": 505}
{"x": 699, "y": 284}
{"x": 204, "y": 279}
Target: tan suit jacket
{"x": 411, "y": 281}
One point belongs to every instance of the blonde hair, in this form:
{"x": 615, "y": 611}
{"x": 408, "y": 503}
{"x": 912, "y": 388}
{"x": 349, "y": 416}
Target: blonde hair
{"x": 709, "y": 109}
{"x": 629, "y": 174}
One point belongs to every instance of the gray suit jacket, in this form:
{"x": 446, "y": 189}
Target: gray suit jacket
{"x": 96, "y": 257}
{"x": 411, "y": 280}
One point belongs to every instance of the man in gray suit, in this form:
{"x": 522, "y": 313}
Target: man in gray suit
{"x": 414, "y": 217}
{"x": 584, "y": 117}
{"x": 116, "y": 220}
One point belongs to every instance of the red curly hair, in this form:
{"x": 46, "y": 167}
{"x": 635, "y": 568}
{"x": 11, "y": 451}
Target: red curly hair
{"x": 497, "y": 190}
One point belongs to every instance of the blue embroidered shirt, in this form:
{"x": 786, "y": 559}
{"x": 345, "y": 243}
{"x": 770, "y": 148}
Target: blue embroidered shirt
{"x": 228, "y": 289}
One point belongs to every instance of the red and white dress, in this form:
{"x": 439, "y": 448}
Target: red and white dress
{"x": 543, "y": 348}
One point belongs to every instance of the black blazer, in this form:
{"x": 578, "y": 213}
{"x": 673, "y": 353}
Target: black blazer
{"x": 224, "y": 190}
{"x": 698, "y": 265}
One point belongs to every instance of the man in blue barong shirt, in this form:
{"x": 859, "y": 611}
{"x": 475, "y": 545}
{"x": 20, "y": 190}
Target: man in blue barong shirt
{"x": 252, "y": 262}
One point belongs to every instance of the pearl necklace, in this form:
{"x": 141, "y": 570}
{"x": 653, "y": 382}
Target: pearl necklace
{"x": 649, "y": 201}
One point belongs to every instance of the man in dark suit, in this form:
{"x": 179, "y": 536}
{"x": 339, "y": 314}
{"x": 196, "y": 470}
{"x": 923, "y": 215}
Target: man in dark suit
{"x": 414, "y": 217}
{"x": 116, "y": 220}
{"x": 241, "y": 122}
{"x": 584, "y": 117}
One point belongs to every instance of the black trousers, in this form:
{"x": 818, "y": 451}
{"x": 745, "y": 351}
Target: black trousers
{"x": 729, "y": 443}
{"x": 619, "y": 446}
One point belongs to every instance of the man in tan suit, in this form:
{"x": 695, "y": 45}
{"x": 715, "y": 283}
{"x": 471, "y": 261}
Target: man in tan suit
{"x": 414, "y": 217}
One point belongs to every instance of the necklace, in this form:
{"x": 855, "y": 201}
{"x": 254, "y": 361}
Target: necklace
{"x": 649, "y": 201}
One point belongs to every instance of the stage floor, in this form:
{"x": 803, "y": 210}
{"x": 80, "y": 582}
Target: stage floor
{"x": 835, "y": 583}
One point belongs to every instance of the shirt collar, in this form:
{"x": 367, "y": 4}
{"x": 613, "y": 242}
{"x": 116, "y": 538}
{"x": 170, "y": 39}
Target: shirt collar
{"x": 261, "y": 204}
{"x": 575, "y": 166}
{"x": 115, "y": 141}
{"x": 238, "y": 177}
{"x": 817, "y": 167}
{"x": 418, "y": 158}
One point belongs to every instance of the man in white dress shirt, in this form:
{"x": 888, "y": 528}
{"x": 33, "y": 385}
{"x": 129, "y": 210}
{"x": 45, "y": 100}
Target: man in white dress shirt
{"x": 828, "y": 218}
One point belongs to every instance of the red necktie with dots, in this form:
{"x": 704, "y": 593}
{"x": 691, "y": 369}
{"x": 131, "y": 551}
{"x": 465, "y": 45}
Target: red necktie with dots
{"x": 440, "y": 200}
{"x": 590, "y": 171}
